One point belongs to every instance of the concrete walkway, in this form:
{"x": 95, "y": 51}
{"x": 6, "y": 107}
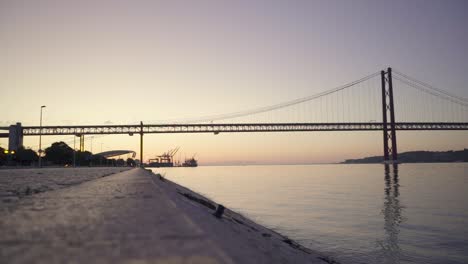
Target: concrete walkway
{"x": 136, "y": 217}
{"x": 124, "y": 218}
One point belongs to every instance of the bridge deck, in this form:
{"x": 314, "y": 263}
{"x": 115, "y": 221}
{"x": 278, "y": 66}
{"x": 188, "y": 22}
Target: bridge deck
{"x": 234, "y": 128}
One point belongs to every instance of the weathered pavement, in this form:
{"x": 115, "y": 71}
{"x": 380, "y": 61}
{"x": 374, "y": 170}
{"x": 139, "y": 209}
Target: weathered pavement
{"x": 124, "y": 218}
{"x": 136, "y": 217}
{"x": 16, "y": 183}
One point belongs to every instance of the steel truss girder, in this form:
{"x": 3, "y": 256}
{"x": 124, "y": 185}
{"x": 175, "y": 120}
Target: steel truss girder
{"x": 234, "y": 128}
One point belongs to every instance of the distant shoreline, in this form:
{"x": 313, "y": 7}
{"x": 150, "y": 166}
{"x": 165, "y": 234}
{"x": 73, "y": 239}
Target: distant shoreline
{"x": 451, "y": 156}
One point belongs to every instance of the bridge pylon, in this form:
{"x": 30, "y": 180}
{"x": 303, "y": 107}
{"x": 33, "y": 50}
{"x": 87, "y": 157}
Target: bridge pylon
{"x": 82, "y": 139}
{"x": 388, "y": 112}
{"x": 15, "y": 137}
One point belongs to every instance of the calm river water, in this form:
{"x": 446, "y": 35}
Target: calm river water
{"x": 413, "y": 213}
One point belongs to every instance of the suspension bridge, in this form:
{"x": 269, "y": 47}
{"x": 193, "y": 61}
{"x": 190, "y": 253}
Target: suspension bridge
{"x": 372, "y": 103}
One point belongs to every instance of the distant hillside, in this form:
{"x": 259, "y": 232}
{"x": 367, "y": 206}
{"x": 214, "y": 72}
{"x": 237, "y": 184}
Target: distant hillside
{"x": 420, "y": 156}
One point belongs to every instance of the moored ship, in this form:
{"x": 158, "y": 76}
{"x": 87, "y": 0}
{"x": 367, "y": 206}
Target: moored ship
{"x": 157, "y": 164}
{"x": 192, "y": 162}
{"x": 167, "y": 160}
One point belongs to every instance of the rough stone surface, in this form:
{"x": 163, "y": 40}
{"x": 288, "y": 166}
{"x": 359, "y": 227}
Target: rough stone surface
{"x": 134, "y": 217}
{"x": 17, "y": 183}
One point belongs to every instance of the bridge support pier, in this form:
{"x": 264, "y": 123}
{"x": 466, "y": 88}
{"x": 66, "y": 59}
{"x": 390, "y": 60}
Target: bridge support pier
{"x": 15, "y": 137}
{"x": 81, "y": 142}
{"x": 388, "y": 110}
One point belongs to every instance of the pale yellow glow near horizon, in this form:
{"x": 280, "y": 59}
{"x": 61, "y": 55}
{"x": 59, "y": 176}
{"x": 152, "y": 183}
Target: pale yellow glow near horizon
{"x": 266, "y": 148}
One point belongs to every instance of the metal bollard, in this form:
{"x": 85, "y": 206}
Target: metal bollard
{"x": 219, "y": 211}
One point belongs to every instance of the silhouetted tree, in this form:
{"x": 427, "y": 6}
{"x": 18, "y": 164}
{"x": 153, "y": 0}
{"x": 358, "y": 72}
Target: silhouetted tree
{"x": 120, "y": 162}
{"x": 131, "y": 162}
{"x": 59, "y": 153}
{"x": 3, "y": 157}
{"x": 25, "y": 156}
{"x": 83, "y": 158}
{"x": 111, "y": 162}
{"x": 98, "y": 160}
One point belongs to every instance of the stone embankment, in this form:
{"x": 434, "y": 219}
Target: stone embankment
{"x": 134, "y": 217}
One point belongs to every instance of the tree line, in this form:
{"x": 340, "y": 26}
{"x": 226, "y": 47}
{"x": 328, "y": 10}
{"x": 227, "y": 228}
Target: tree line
{"x": 59, "y": 154}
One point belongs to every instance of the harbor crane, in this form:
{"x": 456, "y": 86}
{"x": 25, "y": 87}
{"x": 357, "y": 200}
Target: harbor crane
{"x": 166, "y": 159}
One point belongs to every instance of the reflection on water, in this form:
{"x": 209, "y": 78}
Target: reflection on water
{"x": 392, "y": 212}
{"x": 407, "y": 213}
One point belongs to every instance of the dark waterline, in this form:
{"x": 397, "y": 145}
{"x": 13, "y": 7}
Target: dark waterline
{"x": 410, "y": 213}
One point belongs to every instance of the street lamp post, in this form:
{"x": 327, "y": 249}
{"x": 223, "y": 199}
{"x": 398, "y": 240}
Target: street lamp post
{"x": 74, "y": 151}
{"x": 40, "y": 138}
{"x": 100, "y": 157}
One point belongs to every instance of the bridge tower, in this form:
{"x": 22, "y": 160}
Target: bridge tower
{"x": 82, "y": 139}
{"x": 388, "y": 112}
{"x": 15, "y": 137}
